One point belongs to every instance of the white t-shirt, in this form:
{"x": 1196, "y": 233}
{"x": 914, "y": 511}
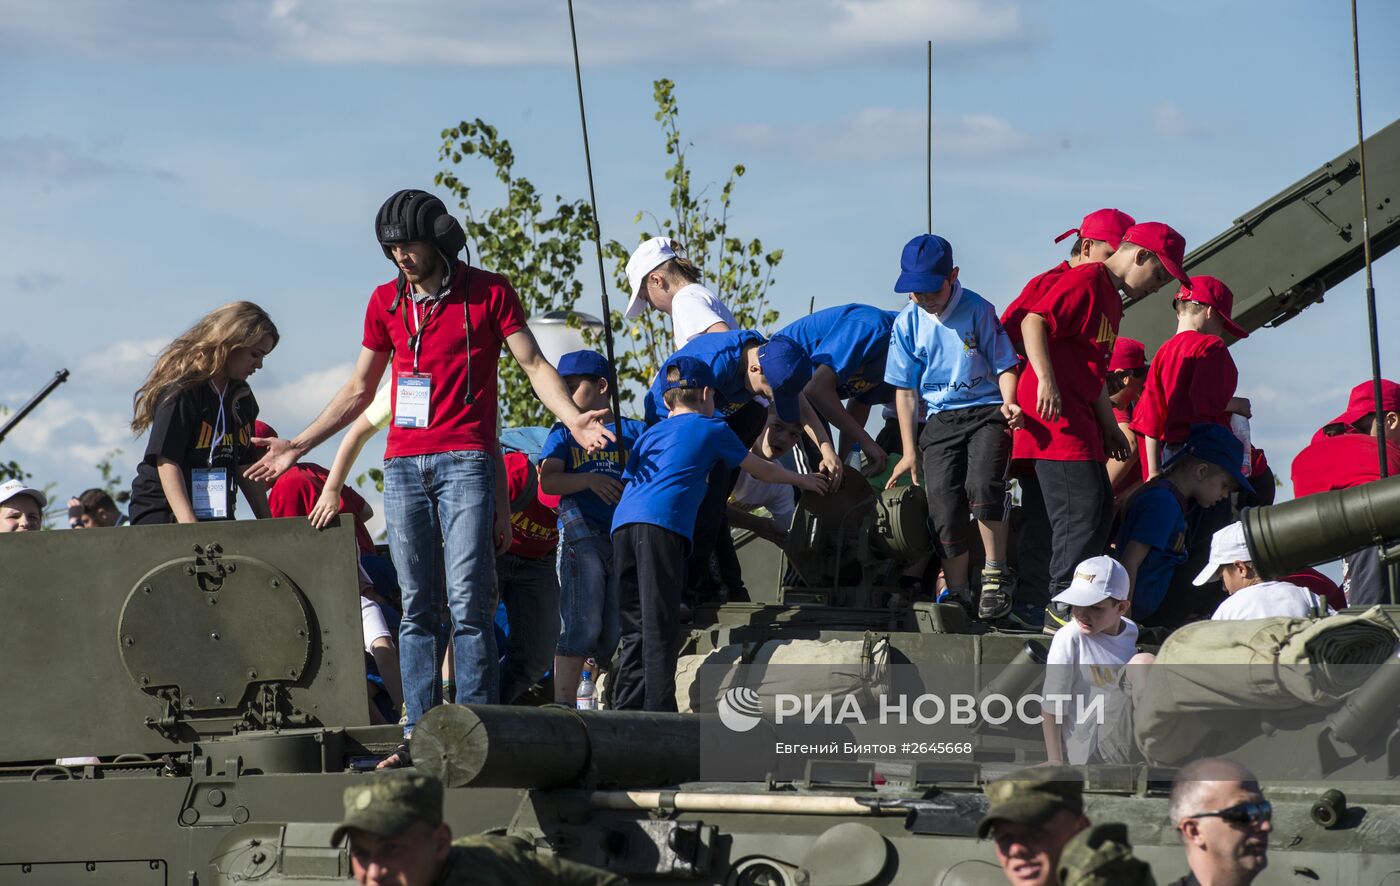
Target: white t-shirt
{"x": 1270, "y": 599}
{"x": 695, "y": 309}
{"x": 751, "y": 493}
{"x": 1083, "y": 667}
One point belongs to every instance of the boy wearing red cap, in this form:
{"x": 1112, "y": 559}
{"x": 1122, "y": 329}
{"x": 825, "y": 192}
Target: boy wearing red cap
{"x": 1193, "y": 376}
{"x": 1127, "y": 373}
{"x": 1069, "y": 426}
{"x": 1342, "y": 455}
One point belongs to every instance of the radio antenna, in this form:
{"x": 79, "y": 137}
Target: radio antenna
{"x": 928, "y": 167}
{"x": 598, "y": 243}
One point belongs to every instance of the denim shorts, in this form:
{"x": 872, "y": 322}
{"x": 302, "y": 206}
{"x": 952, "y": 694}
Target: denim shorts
{"x": 588, "y": 616}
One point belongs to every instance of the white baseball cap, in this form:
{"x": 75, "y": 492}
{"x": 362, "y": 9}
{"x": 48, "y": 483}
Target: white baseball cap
{"x": 1226, "y": 546}
{"x": 1096, "y": 579}
{"x": 10, "y": 488}
{"x": 645, "y": 259}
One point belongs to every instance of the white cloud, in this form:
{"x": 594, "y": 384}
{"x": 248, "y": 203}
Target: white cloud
{"x": 1170, "y": 121}
{"x": 486, "y": 33}
{"x": 124, "y": 362}
{"x": 54, "y": 160}
{"x": 884, "y": 134}
{"x": 291, "y": 406}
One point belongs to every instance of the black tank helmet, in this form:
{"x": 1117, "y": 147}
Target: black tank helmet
{"x": 417, "y": 216}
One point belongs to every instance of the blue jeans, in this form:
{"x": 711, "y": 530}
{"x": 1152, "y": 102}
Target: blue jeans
{"x": 530, "y": 590}
{"x": 440, "y": 509}
{"x": 587, "y": 598}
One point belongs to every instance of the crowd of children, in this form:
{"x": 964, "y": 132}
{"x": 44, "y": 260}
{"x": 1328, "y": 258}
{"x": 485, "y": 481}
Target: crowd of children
{"x": 1129, "y": 470}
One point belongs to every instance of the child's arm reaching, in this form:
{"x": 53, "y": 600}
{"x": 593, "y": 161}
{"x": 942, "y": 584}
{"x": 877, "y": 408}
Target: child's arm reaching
{"x": 770, "y": 472}
{"x": 328, "y": 503}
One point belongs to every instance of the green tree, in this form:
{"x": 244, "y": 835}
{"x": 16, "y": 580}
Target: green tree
{"x": 538, "y": 251}
{"x": 542, "y": 251}
{"x": 739, "y": 272}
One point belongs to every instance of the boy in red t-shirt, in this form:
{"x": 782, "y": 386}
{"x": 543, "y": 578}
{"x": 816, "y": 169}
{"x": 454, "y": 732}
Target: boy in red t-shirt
{"x": 1099, "y": 236}
{"x": 526, "y": 579}
{"x": 1069, "y": 426}
{"x": 1193, "y": 377}
{"x": 1342, "y": 455}
{"x": 1127, "y": 373}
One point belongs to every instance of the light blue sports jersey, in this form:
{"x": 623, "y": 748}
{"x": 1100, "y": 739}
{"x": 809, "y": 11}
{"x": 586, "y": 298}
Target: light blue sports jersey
{"x": 952, "y": 361}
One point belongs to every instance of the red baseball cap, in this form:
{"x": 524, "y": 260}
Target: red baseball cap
{"x": 1107, "y": 225}
{"x": 1165, "y": 243}
{"x": 1362, "y": 402}
{"x": 1128, "y": 353}
{"x": 1205, "y": 290}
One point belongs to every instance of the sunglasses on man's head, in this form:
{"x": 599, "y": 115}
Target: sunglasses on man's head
{"x": 1244, "y": 813}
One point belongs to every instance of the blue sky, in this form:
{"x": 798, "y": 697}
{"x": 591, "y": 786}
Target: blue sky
{"x": 160, "y": 158}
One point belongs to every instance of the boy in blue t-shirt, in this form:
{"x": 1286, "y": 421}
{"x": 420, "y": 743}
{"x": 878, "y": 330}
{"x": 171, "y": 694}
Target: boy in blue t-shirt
{"x": 847, "y": 346}
{"x": 591, "y": 483}
{"x": 665, "y": 479}
{"x": 1152, "y": 540}
{"x": 950, "y": 358}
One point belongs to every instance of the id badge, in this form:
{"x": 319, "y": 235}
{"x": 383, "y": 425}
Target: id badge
{"x": 210, "y": 493}
{"x": 412, "y": 394}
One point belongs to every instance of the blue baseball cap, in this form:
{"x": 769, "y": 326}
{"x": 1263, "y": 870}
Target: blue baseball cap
{"x": 585, "y": 363}
{"x": 694, "y": 373}
{"x": 1215, "y": 444}
{"x": 925, "y": 265}
{"x": 788, "y": 369}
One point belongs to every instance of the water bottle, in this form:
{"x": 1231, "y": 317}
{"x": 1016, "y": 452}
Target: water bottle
{"x": 572, "y": 525}
{"x": 584, "y": 700}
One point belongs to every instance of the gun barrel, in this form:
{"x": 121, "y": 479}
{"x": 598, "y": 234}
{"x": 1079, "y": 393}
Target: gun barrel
{"x": 59, "y": 378}
{"x": 1315, "y": 529}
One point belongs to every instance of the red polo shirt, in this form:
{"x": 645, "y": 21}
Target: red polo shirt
{"x": 1082, "y": 311}
{"x": 1191, "y": 381}
{"x": 495, "y": 313}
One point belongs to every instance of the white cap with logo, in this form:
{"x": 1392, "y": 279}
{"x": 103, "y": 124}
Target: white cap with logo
{"x": 1226, "y": 546}
{"x": 10, "y": 488}
{"x": 645, "y": 259}
{"x": 1096, "y": 579}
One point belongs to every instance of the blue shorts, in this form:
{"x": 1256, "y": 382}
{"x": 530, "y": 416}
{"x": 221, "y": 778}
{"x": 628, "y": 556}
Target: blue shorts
{"x": 589, "y": 622}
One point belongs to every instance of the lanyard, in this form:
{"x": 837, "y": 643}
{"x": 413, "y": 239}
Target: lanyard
{"x": 415, "y": 338}
{"x": 219, "y": 425}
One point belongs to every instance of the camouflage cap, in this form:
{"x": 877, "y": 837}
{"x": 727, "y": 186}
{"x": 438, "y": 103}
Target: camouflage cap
{"x": 390, "y": 803}
{"x": 1031, "y": 796}
{"x": 1102, "y": 856}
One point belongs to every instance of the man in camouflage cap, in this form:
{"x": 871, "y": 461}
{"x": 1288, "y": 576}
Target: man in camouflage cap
{"x": 1102, "y": 856}
{"x": 1032, "y": 814}
{"x": 398, "y": 838}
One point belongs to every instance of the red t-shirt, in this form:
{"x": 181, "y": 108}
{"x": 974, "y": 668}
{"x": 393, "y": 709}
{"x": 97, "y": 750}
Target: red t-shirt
{"x": 294, "y": 494}
{"x": 1191, "y": 381}
{"x": 1340, "y": 462}
{"x": 453, "y": 424}
{"x": 534, "y": 529}
{"x": 1082, "y": 310}
{"x": 1016, "y": 311}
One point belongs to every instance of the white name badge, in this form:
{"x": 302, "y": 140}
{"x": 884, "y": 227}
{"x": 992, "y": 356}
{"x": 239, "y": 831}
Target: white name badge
{"x": 210, "y": 493}
{"x": 411, "y": 397}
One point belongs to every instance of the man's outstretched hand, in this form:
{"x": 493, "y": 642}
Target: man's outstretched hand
{"x": 281, "y": 455}
{"x": 587, "y": 427}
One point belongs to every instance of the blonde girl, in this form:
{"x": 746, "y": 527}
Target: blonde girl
{"x": 200, "y": 411}
{"x": 662, "y": 277}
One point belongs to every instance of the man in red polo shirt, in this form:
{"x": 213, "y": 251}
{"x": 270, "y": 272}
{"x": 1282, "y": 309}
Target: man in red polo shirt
{"x": 1070, "y": 430}
{"x": 442, "y": 323}
{"x": 1342, "y": 455}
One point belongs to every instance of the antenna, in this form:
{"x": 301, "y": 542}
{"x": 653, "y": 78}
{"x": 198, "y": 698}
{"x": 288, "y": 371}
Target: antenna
{"x": 1381, "y": 450}
{"x": 928, "y": 168}
{"x": 598, "y": 243}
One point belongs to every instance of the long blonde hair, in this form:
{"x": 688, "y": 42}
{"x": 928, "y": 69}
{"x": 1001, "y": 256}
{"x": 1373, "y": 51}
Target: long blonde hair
{"x": 198, "y": 353}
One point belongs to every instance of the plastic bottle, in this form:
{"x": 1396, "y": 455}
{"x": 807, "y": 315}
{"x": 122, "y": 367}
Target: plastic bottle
{"x": 584, "y": 700}
{"x": 572, "y": 525}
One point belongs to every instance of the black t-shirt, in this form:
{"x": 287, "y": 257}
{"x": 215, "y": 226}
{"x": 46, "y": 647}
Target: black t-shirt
{"x": 183, "y": 431}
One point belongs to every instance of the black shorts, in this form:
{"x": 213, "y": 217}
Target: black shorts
{"x": 966, "y": 454}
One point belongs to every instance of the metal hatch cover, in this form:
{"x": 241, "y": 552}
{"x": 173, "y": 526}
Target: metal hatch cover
{"x": 211, "y": 626}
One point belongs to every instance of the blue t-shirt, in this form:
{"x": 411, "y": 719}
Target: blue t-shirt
{"x": 952, "y": 361}
{"x": 851, "y": 339}
{"x": 668, "y": 470}
{"x": 561, "y": 444}
{"x": 1155, "y": 516}
{"x": 723, "y": 352}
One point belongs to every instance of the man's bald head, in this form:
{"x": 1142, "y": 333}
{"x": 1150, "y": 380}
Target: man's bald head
{"x": 1198, "y": 781}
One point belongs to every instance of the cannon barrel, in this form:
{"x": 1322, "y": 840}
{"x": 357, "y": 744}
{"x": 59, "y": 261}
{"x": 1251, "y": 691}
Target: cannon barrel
{"x": 553, "y": 747}
{"x": 1306, "y": 531}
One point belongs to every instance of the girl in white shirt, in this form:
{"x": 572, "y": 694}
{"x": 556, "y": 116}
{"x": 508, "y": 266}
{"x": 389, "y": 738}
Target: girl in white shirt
{"x": 663, "y": 278}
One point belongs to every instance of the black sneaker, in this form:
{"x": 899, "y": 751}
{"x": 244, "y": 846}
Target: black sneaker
{"x": 1057, "y": 615}
{"x": 995, "y": 600}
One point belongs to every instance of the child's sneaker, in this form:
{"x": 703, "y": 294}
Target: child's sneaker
{"x": 954, "y": 595}
{"x": 1057, "y": 615}
{"x": 995, "y": 601}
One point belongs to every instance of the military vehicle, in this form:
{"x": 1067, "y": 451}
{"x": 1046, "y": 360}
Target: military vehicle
{"x": 204, "y": 687}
